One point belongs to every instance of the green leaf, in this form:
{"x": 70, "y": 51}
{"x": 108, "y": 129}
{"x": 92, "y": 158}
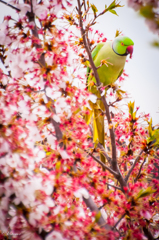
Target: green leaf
{"x": 134, "y": 115}
{"x": 97, "y": 216}
{"x": 113, "y": 5}
{"x": 154, "y": 137}
{"x": 94, "y": 9}
{"x": 131, "y": 107}
{"x": 113, "y": 11}
{"x": 145, "y": 192}
{"x": 117, "y": 33}
{"x": 150, "y": 128}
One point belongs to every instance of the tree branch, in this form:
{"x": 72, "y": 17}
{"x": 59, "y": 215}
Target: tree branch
{"x": 140, "y": 170}
{"x": 93, "y": 207}
{"x": 55, "y": 124}
{"x": 112, "y": 134}
{"x": 131, "y": 169}
{"x": 110, "y": 185}
{"x": 104, "y": 166}
{"x": 9, "y": 5}
{"x": 148, "y": 234}
{"x": 114, "y": 163}
{"x": 118, "y": 221}
{"x": 103, "y": 152}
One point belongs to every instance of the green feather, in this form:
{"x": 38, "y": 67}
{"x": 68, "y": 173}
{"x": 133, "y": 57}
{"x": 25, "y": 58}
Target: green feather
{"x": 94, "y": 54}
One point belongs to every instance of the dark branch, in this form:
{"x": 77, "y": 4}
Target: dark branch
{"x": 114, "y": 186}
{"x": 114, "y": 163}
{"x": 9, "y": 5}
{"x": 93, "y": 207}
{"x": 112, "y": 134}
{"x": 118, "y": 221}
{"x": 148, "y": 234}
{"x": 103, "y": 152}
{"x": 42, "y": 62}
{"x": 137, "y": 177}
{"x": 134, "y": 164}
{"x": 104, "y": 166}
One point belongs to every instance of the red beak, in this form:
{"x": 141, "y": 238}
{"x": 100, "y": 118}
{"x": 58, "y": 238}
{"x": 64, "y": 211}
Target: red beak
{"x": 129, "y": 50}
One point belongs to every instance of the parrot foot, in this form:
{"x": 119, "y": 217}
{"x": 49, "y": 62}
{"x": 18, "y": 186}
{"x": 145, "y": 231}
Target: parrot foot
{"x": 101, "y": 85}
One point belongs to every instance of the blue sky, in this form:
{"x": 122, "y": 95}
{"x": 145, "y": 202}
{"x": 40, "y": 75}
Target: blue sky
{"x": 143, "y": 69}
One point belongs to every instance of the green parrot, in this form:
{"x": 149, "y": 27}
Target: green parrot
{"x": 113, "y": 54}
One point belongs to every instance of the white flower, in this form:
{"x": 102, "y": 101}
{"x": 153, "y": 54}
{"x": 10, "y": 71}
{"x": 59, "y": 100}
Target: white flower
{"x": 39, "y": 10}
{"x": 40, "y": 111}
{"x": 68, "y": 223}
{"x": 4, "y": 203}
{"x": 47, "y": 187}
{"x": 4, "y": 38}
{"x": 49, "y": 202}
{"x": 26, "y": 234}
{"x": 19, "y": 62}
{"x": 82, "y": 192}
{"x": 4, "y": 146}
{"x": 62, "y": 85}
{"x": 102, "y": 94}
{"x": 81, "y": 213}
{"x": 13, "y": 160}
{"x": 64, "y": 154}
{"x": 56, "y": 118}
{"x": 60, "y": 105}
{"x": 13, "y": 222}
{"x": 92, "y": 98}
{"x": 55, "y": 236}
{"x": 52, "y": 93}
{"x": 57, "y": 209}
{"x": 51, "y": 140}
{"x": 25, "y": 60}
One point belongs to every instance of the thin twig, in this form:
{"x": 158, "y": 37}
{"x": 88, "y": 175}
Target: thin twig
{"x": 118, "y": 221}
{"x": 140, "y": 170}
{"x": 104, "y": 166}
{"x": 118, "y": 188}
{"x": 134, "y": 164}
{"x": 9, "y": 5}
{"x": 103, "y": 152}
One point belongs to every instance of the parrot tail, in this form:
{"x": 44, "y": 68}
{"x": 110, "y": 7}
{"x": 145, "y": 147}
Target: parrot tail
{"x": 98, "y": 130}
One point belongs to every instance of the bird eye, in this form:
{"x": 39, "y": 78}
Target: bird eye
{"x": 122, "y": 44}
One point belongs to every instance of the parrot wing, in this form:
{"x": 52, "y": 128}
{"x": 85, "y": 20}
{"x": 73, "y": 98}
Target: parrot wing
{"x": 94, "y": 54}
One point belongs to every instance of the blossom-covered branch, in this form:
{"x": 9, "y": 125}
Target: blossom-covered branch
{"x": 111, "y": 129}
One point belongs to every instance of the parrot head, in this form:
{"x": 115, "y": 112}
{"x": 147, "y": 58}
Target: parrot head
{"x": 123, "y": 46}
